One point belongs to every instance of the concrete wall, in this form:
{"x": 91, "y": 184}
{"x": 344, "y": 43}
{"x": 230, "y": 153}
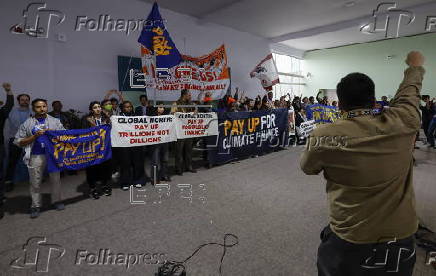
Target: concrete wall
{"x": 85, "y": 66}
{"x": 328, "y": 66}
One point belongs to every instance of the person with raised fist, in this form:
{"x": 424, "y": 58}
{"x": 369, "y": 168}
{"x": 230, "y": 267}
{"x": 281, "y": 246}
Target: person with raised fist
{"x": 369, "y": 177}
{"x": 4, "y": 113}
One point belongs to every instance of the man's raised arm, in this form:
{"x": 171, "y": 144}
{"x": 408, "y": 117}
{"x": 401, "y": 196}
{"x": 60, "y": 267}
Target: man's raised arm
{"x": 405, "y": 104}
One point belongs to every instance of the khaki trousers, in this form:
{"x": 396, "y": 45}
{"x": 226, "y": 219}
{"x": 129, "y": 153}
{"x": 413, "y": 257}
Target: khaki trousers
{"x": 36, "y": 168}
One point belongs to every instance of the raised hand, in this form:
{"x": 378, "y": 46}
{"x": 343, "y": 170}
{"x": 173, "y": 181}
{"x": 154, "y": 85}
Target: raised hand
{"x": 415, "y": 58}
{"x": 7, "y": 86}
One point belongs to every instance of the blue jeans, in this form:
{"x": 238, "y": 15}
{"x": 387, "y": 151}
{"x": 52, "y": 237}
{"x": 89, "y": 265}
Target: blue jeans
{"x": 431, "y": 132}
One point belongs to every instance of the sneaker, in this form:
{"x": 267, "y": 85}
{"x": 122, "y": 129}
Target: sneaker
{"x": 107, "y": 191}
{"x": 138, "y": 185}
{"x": 125, "y": 188}
{"x": 9, "y": 186}
{"x": 94, "y": 194}
{"x": 115, "y": 175}
{"x": 34, "y": 212}
{"x": 59, "y": 206}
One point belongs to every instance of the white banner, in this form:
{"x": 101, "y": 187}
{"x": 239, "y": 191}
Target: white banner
{"x": 191, "y": 125}
{"x": 197, "y": 74}
{"x": 306, "y": 128}
{"x": 266, "y": 72}
{"x": 142, "y": 130}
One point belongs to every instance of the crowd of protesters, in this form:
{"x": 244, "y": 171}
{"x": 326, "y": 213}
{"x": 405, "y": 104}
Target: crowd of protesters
{"x": 27, "y": 123}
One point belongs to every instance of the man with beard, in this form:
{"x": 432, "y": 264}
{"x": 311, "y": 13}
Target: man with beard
{"x": 16, "y": 117}
{"x": 28, "y": 137}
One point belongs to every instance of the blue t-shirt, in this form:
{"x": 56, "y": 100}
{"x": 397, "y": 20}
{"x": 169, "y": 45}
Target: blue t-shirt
{"x": 23, "y": 115}
{"x": 38, "y": 147}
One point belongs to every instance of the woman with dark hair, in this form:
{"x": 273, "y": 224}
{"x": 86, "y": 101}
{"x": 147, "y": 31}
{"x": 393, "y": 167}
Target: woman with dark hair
{"x": 265, "y": 104}
{"x": 101, "y": 172}
{"x": 257, "y": 103}
{"x": 131, "y": 159}
{"x": 106, "y": 106}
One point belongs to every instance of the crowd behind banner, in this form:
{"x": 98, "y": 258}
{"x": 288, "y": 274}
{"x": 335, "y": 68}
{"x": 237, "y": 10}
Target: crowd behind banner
{"x": 113, "y": 139}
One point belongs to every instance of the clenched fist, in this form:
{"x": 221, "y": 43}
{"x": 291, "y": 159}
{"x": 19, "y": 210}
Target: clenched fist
{"x": 7, "y": 86}
{"x": 415, "y": 58}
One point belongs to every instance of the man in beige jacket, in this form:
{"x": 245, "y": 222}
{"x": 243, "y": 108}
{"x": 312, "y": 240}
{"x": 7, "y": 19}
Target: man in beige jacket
{"x": 367, "y": 162}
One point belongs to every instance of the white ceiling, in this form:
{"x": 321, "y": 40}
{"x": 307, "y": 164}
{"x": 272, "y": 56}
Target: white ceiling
{"x": 304, "y": 25}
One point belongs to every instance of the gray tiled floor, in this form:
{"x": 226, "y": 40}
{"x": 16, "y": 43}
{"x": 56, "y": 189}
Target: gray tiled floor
{"x": 274, "y": 209}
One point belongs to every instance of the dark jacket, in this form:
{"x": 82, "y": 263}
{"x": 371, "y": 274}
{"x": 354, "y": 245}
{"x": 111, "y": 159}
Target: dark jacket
{"x": 89, "y": 121}
{"x": 4, "y": 113}
{"x": 299, "y": 119}
{"x": 138, "y": 111}
{"x": 428, "y": 112}
{"x": 153, "y": 111}
{"x": 65, "y": 118}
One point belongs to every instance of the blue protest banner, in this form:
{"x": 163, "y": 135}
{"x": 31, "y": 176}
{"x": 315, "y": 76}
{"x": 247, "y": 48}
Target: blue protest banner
{"x": 243, "y": 134}
{"x": 322, "y": 113}
{"x": 77, "y": 148}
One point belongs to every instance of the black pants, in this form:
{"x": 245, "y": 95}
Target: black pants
{"x": 131, "y": 161}
{"x": 101, "y": 172}
{"x": 425, "y": 125}
{"x": 159, "y": 161}
{"x": 15, "y": 153}
{"x": 2, "y": 183}
{"x": 183, "y": 154}
{"x": 337, "y": 257}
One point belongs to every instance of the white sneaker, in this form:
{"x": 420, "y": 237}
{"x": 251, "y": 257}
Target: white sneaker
{"x": 138, "y": 185}
{"x": 116, "y": 175}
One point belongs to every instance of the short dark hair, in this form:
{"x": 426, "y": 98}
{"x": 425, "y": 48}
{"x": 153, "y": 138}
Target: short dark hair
{"x": 91, "y": 104}
{"x": 183, "y": 92}
{"x": 22, "y": 95}
{"x": 105, "y": 101}
{"x": 311, "y": 98}
{"x": 356, "y": 90}
{"x": 423, "y": 97}
{"x": 53, "y": 103}
{"x": 114, "y": 100}
{"x": 38, "y": 100}
{"x": 143, "y": 96}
